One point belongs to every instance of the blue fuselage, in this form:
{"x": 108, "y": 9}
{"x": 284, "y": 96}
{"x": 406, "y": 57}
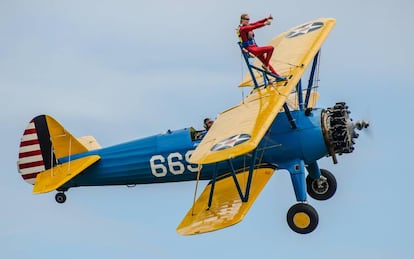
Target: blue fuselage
{"x": 164, "y": 157}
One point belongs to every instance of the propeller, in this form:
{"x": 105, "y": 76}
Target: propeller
{"x": 359, "y": 125}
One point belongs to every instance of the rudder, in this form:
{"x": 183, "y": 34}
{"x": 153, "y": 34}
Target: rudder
{"x": 44, "y": 141}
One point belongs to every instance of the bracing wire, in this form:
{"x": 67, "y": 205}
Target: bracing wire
{"x": 318, "y": 69}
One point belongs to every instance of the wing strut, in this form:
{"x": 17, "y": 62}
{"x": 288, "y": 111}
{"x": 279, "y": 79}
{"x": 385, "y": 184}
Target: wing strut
{"x": 213, "y": 183}
{"x": 312, "y": 74}
{"x": 244, "y": 197}
{"x": 289, "y": 116}
{"x": 299, "y": 91}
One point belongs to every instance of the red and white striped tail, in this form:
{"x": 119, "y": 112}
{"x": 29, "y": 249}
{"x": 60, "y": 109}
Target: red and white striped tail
{"x": 37, "y": 153}
{"x": 30, "y": 161}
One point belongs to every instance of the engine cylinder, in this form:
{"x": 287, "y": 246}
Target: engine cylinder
{"x": 338, "y": 129}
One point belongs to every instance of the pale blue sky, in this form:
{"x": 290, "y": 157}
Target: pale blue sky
{"x": 121, "y": 70}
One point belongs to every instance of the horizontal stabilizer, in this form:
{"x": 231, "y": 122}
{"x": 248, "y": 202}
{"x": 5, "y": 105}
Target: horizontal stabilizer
{"x": 227, "y": 208}
{"x": 55, "y": 177}
{"x": 89, "y": 142}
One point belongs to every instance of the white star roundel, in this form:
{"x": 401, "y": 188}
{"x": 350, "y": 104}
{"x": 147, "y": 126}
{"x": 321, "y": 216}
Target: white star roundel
{"x": 304, "y": 29}
{"x": 231, "y": 142}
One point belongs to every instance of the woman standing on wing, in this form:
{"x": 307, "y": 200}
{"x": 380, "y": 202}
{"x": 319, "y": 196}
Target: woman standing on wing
{"x": 246, "y": 35}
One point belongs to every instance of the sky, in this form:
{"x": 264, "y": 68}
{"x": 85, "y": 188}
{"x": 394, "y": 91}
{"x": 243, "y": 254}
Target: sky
{"x": 121, "y": 70}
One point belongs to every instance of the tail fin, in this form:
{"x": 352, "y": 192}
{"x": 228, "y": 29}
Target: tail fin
{"x": 44, "y": 142}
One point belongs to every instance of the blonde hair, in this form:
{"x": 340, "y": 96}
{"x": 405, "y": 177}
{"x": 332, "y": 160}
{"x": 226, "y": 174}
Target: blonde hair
{"x": 242, "y": 16}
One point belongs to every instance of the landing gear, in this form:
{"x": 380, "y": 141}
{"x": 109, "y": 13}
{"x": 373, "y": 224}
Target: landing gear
{"x": 60, "y": 197}
{"x": 302, "y": 218}
{"x": 322, "y": 188}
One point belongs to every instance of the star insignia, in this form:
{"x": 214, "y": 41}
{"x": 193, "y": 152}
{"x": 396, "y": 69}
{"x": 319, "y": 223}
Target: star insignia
{"x": 231, "y": 142}
{"x": 304, "y": 29}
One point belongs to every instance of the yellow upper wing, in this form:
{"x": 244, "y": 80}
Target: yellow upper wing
{"x": 240, "y": 129}
{"x": 227, "y": 208}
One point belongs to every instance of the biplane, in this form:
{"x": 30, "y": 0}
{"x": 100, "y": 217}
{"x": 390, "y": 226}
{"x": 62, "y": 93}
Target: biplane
{"x": 277, "y": 126}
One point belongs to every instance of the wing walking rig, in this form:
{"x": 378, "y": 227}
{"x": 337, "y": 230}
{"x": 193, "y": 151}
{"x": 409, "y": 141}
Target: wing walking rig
{"x": 256, "y": 132}
{"x": 277, "y": 126}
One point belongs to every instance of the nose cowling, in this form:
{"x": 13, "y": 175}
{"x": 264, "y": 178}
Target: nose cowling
{"x": 339, "y": 130}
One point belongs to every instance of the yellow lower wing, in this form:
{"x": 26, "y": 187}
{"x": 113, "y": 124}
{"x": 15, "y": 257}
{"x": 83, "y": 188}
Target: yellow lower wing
{"x": 55, "y": 177}
{"x": 227, "y": 208}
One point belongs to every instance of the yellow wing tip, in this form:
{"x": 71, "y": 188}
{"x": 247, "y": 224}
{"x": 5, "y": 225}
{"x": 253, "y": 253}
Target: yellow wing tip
{"x": 191, "y": 231}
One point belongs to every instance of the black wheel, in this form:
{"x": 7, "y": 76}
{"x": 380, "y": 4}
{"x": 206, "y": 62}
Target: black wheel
{"x": 60, "y": 197}
{"x": 322, "y": 188}
{"x": 302, "y": 218}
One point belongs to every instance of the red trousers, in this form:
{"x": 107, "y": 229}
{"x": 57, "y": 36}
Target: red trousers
{"x": 263, "y": 54}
